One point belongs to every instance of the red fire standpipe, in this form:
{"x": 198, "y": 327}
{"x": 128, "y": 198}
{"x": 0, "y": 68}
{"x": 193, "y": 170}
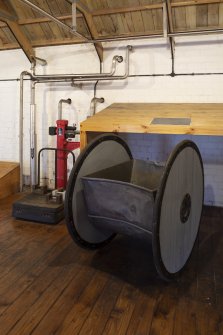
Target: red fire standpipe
{"x": 64, "y": 135}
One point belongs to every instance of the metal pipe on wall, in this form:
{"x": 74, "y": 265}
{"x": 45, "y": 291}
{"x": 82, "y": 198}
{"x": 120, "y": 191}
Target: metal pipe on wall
{"x": 66, "y": 101}
{"x": 99, "y": 77}
{"x": 93, "y": 105}
{"x": 115, "y": 59}
{"x": 41, "y": 61}
{"x": 104, "y": 78}
{"x": 32, "y": 137}
{"x": 74, "y": 15}
{"x": 198, "y": 32}
{"x": 22, "y": 75}
{"x": 154, "y": 36}
{"x": 48, "y": 79}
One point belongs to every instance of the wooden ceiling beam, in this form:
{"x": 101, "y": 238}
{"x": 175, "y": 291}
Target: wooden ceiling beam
{"x": 101, "y": 12}
{"x": 22, "y": 39}
{"x": 8, "y": 16}
{"x": 92, "y": 29}
{"x": 97, "y": 12}
{"x": 110, "y": 11}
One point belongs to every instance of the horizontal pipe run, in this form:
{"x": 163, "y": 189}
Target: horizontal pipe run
{"x": 194, "y": 33}
{"x": 73, "y": 77}
{"x": 152, "y": 36}
{"x": 115, "y": 59}
{"x": 124, "y": 38}
{"x": 192, "y": 74}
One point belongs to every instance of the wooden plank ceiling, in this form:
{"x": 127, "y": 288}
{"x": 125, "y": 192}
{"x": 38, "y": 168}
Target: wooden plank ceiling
{"x": 100, "y": 18}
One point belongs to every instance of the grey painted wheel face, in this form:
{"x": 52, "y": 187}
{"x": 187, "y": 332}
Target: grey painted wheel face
{"x": 104, "y": 152}
{"x": 180, "y": 210}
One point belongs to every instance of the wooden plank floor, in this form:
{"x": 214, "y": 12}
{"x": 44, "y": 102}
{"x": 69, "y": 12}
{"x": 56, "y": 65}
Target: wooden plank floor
{"x": 48, "y": 285}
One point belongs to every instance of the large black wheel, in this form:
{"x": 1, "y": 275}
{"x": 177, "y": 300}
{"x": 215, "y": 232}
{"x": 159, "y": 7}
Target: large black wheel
{"x": 178, "y": 209}
{"x": 105, "y": 151}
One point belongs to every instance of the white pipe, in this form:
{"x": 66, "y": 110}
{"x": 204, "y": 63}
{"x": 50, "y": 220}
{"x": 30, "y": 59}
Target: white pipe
{"x": 74, "y": 15}
{"x": 67, "y": 101}
{"x": 22, "y": 75}
{"x": 93, "y": 105}
{"x": 41, "y": 61}
{"x": 42, "y": 78}
{"x": 32, "y": 138}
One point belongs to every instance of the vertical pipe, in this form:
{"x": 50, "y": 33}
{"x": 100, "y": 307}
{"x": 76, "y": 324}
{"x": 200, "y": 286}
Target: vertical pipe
{"x": 32, "y": 137}
{"x": 21, "y": 131}
{"x": 168, "y": 11}
{"x": 74, "y": 15}
{"x": 67, "y": 101}
{"x": 93, "y": 105}
{"x": 21, "y": 112}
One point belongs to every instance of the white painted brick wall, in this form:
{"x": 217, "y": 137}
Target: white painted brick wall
{"x": 149, "y": 57}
